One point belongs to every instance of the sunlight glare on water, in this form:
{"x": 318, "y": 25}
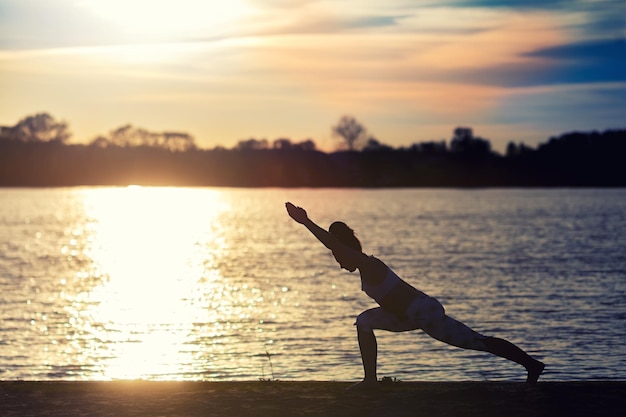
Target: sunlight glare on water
{"x": 148, "y": 245}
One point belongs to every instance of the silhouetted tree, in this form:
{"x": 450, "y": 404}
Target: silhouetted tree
{"x": 252, "y": 145}
{"x": 100, "y": 142}
{"x": 285, "y": 144}
{"x": 350, "y": 130}
{"x": 373, "y": 145}
{"x": 130, "y": 136}
{"x": 282, "y": 144}
{"x": 465, "y": 142}
{"x": 306, "y": 145}
{"x": 430, "y": 148}
{"x": 513, "y": 149}
{"x": 177, "y": 141}
{"x": 40, "y": 127}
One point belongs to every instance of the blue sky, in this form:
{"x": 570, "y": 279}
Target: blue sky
{"x": 410, "y": 71}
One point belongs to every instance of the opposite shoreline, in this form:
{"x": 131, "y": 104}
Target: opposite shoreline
{"x": 301, "y": 398}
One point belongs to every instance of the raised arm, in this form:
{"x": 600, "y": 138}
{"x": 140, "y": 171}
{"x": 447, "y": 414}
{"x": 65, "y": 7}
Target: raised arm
{"x": 300, "y": 216}
{"x": 372, "y": 269}
{"x": 370, "y": 266}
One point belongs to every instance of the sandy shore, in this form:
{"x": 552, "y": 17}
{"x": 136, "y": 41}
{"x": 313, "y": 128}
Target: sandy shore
{"x": 284, "y": 399}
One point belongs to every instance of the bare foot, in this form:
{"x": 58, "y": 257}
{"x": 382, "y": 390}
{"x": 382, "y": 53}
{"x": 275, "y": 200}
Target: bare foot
{"x": 365, "y": 385}
{"x": 534, "y": 372}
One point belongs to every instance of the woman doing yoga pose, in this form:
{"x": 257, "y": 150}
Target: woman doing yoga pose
{"x": 402, "y": 307}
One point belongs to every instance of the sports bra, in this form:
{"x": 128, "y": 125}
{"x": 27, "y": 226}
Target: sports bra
{"x": 393, "y": 293}
{"x": 380, "y": 290}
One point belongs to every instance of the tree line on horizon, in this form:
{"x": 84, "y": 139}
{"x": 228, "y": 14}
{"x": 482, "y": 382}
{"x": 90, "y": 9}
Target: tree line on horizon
{"x": 36, "y": 152}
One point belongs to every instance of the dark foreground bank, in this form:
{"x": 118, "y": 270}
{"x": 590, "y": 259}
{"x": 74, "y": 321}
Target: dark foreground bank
{"x": 234, "y": 399}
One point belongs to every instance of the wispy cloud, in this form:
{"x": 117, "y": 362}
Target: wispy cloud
{"x": 585, "y": 62}
{"x": 597, "y": 18}
{"x": 36, "y": 24}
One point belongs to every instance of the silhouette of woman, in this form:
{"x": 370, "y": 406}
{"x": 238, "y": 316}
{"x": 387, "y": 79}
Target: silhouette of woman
{"x": 402, "y": 307}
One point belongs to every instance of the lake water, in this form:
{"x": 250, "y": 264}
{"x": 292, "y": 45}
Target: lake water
{"x": 219, "y": 284}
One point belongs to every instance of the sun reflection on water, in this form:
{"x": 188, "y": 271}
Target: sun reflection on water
{"x": 146, "y": 242}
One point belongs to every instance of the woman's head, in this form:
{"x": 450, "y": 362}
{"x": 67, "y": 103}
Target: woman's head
{"x": 345, "y": 235}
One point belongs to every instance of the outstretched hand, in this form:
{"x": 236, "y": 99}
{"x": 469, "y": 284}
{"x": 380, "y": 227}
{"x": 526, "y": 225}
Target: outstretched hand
{"x": 296, "y": 213}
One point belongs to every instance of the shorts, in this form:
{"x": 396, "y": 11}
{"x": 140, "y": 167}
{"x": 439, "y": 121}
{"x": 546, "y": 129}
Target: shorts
{"x": 427, "y": 314}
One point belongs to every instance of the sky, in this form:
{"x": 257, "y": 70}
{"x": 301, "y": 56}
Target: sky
{"x": 410, "y": 71}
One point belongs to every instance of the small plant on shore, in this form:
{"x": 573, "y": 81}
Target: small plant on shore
{"x": 269, "y": 359}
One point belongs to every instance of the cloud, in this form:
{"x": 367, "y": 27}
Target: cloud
{"x": 32, "y": 24}
{"x": 599, "y": 17}
{"x": 373, "y": 21}
{"x": 563, "y": 108}
{"x": 577, "y": 63}
{"x": 514, "y": 4}
{"x": 585, "y": 62}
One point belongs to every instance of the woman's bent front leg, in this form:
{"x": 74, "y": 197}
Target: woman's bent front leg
{"x": 369, "y": 353}
{"x": 366, "y": 322}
